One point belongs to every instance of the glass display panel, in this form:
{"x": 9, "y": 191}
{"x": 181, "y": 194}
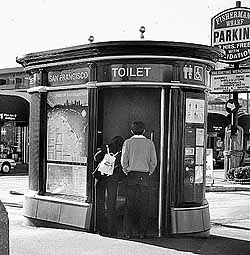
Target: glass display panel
{"x": 194, "y": 151}
{"x": 67, "y": 140}
{"x": 195, "y": 110}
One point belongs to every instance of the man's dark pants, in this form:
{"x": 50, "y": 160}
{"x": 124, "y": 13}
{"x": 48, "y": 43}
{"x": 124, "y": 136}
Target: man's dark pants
{"x": 137, "y": 201}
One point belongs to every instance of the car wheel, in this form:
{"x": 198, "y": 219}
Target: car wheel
{"x": 5, "y": 168}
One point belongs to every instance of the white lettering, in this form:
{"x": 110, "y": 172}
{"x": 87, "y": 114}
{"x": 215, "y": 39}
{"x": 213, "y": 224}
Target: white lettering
{"x": 131, "y": 74}
{"x": 233, "y": 15}
{"x": 147, "y": 70}
{"x": 122, "y": 72}
{"x": 139, "y": 71}
{"x": 131, "y": 71}
{"x": 243, "y": 54}
{"x": 236, "y": 22}
{"x": 65, "y": 76}
{"x": 114, "y": 70}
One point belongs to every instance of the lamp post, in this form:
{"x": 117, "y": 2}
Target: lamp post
{"x": 91, "y": 39}
{"x": 142, "y": 30}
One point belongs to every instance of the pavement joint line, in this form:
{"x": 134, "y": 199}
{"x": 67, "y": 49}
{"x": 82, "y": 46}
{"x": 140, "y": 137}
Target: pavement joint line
{"x": 12, "y": 204}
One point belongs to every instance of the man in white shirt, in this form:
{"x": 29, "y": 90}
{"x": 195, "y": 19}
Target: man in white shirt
{"x": 138, "y": 161}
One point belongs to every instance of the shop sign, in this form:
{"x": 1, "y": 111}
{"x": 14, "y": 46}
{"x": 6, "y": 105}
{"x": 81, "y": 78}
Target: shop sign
{"x": 231, "y": 32}
{"x": 230, "y": 80}
{"x": 8, "y": 116}
{"x": 69, "y": 77}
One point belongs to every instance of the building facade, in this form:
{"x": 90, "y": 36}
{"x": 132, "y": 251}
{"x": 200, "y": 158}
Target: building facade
{"x": 14, "y": 115}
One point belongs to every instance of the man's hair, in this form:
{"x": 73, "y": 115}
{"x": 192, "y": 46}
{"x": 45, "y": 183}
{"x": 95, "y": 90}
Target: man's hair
{"x": 137, "y": 127}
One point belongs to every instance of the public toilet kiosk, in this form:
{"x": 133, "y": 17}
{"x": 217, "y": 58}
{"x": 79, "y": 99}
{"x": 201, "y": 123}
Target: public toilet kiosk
{"x": 83, "y": 96}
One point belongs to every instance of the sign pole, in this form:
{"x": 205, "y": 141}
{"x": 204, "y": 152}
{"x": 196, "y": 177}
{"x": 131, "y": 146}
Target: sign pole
{"x": 236, "y": 98}
{"x": 234, "y": 119}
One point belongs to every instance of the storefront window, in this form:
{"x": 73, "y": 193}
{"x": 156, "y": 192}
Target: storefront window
{"x": 67, "y": 140}
{"x": 13, "y": 141}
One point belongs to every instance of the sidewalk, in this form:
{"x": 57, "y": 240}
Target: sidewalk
{"x": 220, "y": 185}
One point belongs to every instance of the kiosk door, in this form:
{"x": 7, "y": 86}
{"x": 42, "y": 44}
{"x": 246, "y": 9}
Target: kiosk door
{"x": 118, "y": 108}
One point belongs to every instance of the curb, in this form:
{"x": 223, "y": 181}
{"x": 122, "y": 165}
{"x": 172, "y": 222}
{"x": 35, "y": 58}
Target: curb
{"x": 225, "y": 189}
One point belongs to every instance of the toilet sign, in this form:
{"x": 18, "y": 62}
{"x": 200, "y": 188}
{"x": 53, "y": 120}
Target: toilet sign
{"x": 231, "y": 32}
{"x": 121, "y": 72}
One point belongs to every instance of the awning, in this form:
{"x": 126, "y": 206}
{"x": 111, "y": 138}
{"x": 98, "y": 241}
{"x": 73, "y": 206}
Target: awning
{"x": 217, "y": 122}
{"x": 13, "y": 108}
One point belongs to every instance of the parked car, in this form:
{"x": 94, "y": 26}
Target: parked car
{"x": 6, "y": 165}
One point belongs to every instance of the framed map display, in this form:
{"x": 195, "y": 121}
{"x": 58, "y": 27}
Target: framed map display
{"x": 67, "y": 141}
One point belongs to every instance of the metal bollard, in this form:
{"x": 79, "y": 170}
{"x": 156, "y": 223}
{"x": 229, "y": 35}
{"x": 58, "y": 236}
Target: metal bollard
{"x": 4, "y": 230}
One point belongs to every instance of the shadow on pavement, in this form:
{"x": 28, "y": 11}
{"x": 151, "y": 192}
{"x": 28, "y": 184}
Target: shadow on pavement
{"x": 230, "y": 226}
{"x": 214, "y": 245}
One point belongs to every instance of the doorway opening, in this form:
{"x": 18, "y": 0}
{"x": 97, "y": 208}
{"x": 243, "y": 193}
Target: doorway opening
{"x": 117, "y": 109}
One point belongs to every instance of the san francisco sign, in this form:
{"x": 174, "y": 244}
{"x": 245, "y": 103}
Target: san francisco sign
{"x": 231, "y": 32}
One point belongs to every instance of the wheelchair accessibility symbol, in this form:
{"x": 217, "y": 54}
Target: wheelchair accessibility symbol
{"x": 198, "y": 73}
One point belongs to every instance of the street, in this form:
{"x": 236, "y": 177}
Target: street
{"x": 229, "y": 234}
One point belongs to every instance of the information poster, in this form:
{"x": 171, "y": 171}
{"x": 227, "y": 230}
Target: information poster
{"x": 199, "y": 136}
{"x": 195, "y": 110}
{"x": 199, "y": 156}
{"x": 198, "y": 174}
{"x": 232, "y": 80}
